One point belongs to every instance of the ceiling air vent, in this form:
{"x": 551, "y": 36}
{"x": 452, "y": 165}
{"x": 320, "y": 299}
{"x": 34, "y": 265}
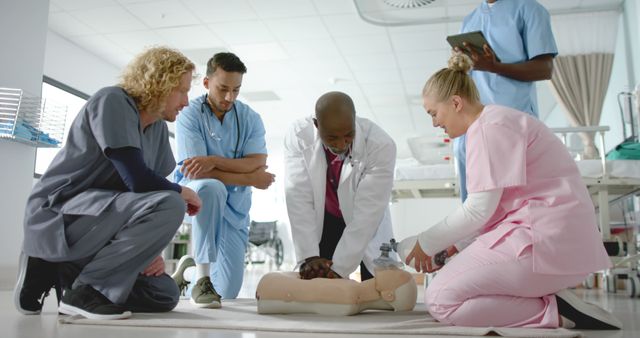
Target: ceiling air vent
{"x": 408, "y": 3}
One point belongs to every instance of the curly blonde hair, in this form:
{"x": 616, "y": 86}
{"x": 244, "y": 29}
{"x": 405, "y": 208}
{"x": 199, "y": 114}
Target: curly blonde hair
{"x": 151, "y": 76}
{"x": 453, "y": 80}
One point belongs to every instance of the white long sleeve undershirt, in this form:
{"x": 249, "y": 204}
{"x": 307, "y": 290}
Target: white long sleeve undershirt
{"x": 462, "y": 223}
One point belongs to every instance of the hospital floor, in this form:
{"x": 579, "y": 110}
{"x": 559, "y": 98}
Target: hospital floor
{"x": 14, "y": 324}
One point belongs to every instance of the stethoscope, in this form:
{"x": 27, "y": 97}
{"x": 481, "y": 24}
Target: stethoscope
{"x": 212, "y": 133}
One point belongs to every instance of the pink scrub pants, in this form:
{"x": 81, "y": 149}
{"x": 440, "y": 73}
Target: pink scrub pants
{"x": 496, "y": 286}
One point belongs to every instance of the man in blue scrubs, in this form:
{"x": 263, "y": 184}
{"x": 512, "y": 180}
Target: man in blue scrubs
{"x": 519, "y": 34}
{"x": 222, "y": 152}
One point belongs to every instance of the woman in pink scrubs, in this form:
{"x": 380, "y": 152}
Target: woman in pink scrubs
{"x": 528, "y": 212}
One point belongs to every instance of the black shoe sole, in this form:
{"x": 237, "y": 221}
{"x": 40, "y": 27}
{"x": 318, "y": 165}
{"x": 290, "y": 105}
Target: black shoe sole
{"x": 72, "y": 311}
{"x": 22, "y": 273}
{"x": 585, "y": 316}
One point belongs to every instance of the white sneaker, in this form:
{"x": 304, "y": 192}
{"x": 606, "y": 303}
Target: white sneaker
{"x": 184, "y": 263}
{"x": 584, "y": 315}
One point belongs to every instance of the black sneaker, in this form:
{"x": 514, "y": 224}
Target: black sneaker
{"x": 89, "y": 303}
{"x": 36, "y": 277}
{"x": 585, "y": 316}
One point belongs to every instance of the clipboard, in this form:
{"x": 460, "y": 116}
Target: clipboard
{"x": 475, "y": 39}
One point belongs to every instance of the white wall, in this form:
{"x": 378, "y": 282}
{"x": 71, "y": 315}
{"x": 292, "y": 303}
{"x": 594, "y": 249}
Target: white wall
{"x": 74, "y": 66}
{"x": 632, "y": 27}
{"x": 619, "y": 81}
{"x": 24, "y": 29}
{"x": 411, "y": 216}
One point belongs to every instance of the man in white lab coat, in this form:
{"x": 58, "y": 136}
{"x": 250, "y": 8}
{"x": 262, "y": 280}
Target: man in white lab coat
{"x": 338, "y": 180}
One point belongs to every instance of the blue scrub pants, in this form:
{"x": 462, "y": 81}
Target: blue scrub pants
{"x": 216, "y": 241}
{"x": 460, "y": 152}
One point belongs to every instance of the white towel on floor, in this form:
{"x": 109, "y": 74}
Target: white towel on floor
{"x": 240, "y": 314}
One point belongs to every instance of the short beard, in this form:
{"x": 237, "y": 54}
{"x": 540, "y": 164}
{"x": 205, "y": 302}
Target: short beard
{"x": 342, "y": 155}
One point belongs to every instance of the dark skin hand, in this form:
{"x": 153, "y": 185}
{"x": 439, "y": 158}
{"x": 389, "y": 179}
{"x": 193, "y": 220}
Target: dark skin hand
{"x": 537, "y": 69}
{"x": 317, "y": 267}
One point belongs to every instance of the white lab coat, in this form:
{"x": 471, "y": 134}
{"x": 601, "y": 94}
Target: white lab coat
{"x": 364, "y": 193}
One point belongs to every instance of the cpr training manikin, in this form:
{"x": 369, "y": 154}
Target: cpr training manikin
{"x": 391, "y": 289}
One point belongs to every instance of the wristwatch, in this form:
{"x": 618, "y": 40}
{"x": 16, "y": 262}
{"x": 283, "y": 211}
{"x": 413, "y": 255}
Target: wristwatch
{"x": 440, "y": 258}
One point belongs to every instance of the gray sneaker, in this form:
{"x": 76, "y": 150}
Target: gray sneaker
{"x": 178, "y": 276}
{"x": 204, "y": 295}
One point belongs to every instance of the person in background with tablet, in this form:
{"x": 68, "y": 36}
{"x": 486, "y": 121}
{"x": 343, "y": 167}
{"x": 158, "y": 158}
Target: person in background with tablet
{"x": 519, "y": 33}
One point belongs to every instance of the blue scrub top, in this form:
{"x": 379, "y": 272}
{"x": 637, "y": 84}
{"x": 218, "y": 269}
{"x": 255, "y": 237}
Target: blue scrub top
{"x": 194, "y": 138}
{"x": 517, "y": 30}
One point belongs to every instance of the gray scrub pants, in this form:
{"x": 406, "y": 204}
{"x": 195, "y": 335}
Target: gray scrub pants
{"x": 112, "y": 249}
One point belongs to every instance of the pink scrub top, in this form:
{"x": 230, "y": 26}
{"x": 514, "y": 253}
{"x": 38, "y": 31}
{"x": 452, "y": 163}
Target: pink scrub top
{"x": 542, "y": 191}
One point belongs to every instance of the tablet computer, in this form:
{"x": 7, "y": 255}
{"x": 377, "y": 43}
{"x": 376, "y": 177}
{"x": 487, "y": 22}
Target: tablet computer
{"x": 475, "y": 40}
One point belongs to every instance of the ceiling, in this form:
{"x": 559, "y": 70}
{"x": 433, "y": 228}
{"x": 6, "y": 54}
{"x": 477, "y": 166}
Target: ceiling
{"x": 295, "y": 50}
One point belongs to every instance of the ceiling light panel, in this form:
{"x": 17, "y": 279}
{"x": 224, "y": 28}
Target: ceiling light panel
{"x": 209, "y": 11}
{"x": 163, "y": 14}
{"x": 67, "y": 25}
{"x": 109, "y": 19}
{"x": 273, "y": 9}
{"x": 74, "y": 5}
{"x": 298, "y": 29}
{"x": 259, "y": 52}
{"x": 242, "y": 32}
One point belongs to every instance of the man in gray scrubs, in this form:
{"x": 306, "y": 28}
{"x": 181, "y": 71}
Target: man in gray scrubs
{"x": 103, "y": 211}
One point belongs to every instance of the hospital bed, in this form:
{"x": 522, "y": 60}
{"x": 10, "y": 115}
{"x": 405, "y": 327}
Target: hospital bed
{"x": 614, "y": 185}
{"x": 415, "y": 180}
{"x": 432, "y": 175}
{"x": 611, "y": 183}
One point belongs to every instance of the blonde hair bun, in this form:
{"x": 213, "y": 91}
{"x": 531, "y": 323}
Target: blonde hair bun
{"x": 460, "y": 62}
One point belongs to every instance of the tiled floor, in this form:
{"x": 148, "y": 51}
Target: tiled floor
{"x": 45, "y": 325}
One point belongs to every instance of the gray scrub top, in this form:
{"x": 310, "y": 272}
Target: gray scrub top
{"x": 81, "y": 180}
